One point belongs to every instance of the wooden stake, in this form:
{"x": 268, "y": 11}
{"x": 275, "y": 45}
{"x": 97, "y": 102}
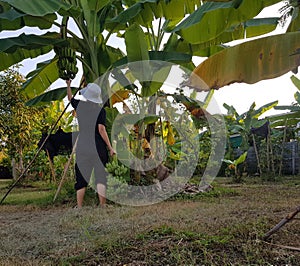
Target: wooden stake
{"x": 271, "y": 149}
{"x": 256, "y": 154}
{"x": 51, "y": 167}
{"x": 282, "y": 148}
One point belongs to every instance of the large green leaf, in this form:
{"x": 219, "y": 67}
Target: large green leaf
{"x": 137, "y": 51}
{"x": 41, "y": 7}
{"x": 30, "y": 42}
{"x": 90, "y": 16}
{"x": 13, "y": 20}
{"x": 144, "y": 10}
{"x": 45, "y": 74}
{"x": 177, "y": 44}
{"x": 198, "y": 27}
{"x": 136, "y": 44}
{"x": 249, "y": 62}
{"x": 49, "y": 96}
{"x": 166, "y": 56}
{"x": 257, "y": 27}
{"x": 19, "y": 55}
{"x": 250, "y": 28}
{"x": 131, "y": 12}
{"x": 15, "y": 49}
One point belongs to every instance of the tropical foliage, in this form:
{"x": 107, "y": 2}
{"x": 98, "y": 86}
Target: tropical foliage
{"x": 106, "y": 34}
{"x": 259, "y": 59}
{"x": 150, "y": 29}
{"x": 19, "y": 125}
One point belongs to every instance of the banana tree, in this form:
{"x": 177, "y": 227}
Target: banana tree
{"x": 173, "y": 30}
{"x": 242, "y": 123}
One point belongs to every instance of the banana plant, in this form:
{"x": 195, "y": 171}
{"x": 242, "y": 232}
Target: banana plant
{"x": 167, "y": 30}
{"x": 233, "y": 165}
{"x": 242, "y": 123}
{"x": 291, "y": 118}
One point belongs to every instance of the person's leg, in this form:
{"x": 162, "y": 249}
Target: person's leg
{"x": 80, "y": 197}
{"x": 101, "y": 190}
{"x": 101, "y": 177}
{"x": 80, "y": 186}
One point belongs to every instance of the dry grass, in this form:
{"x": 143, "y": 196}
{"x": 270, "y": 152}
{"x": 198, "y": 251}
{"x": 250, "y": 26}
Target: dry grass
{"x": 223, "y": 229}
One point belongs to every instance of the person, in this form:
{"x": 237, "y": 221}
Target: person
{"x": 93, "y": 143}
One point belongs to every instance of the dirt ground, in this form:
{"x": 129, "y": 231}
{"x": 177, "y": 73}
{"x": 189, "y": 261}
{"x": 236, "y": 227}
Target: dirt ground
{"x": 224, "y": 229}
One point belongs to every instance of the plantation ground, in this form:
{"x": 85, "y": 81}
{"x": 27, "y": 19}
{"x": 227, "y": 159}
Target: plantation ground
{"x": 222, "y": 227}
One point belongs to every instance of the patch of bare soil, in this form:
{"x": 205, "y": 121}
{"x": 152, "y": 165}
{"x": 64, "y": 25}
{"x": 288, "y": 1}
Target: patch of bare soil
{"x": 225, "y": 230}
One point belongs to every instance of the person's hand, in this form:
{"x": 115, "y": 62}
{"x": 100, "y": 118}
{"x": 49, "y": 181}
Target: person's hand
{"x": 112, "y": 152}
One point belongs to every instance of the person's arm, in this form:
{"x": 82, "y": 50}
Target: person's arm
{"x": 69, "y": 91}
{"x": 103, "y": 134}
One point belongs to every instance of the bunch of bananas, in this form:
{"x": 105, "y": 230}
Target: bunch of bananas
{"x": 117, "y": 180}
{"x": 66, "y": 63}
{"x": 116, "y": 170}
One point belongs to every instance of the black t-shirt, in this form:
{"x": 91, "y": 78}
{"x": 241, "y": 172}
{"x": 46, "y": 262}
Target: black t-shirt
{"x": 89, "y": 116}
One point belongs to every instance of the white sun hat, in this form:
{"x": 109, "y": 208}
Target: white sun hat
{"x": 92, "y": 92}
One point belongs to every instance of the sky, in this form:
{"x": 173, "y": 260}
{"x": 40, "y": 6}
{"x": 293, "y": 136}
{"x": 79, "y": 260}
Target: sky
{"x": 240, "y": 95}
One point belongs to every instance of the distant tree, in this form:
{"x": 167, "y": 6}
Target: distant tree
{"x": 19, "y": 125}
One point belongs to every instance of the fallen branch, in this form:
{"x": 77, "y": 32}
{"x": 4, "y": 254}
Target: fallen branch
{"x": 285, "y": 220}
{"x": 282, "y": 246}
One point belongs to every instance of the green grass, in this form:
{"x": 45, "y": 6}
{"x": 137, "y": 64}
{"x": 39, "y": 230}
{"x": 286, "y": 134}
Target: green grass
{"x": 222, "y": 227}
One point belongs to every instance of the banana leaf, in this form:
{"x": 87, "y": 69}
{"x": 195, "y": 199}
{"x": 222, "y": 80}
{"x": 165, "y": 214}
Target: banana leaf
{"x": 52, "y": 95}
{"x": 15, "y": 49}
{"x": 45, "y": 74}
{"x": 43, "y": 7}
{"x": 281, "y": 117}
{"x": 296, "y": 82}
{"x": 144, "y": 10}
{"x": 197, "y": 28}
{"x": 249, "y": 62}
{"x": 14, "y": 20}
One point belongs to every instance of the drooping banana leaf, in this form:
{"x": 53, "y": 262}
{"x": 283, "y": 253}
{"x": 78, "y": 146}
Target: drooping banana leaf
{"x": 143, "y": 11}
{"x": 40, "y": 8}
{"x": 15, "y": 49}
{"x": 30, "y": 41}
{"x": 249, "y": 62}
{"x": 19, "y": 55}
{"x": 198, "y": 27}
{"x": 49, "y": 96}
{"x": 45, "y": 74}
{"x": 250, "y": 28}
{"x": 13, "y": 20}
